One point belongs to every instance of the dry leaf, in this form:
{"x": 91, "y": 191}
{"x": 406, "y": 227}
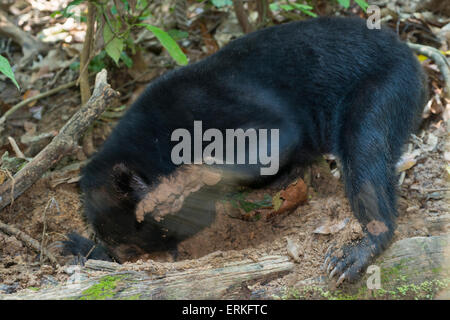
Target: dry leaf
{"x": 3, "y": 176}
{"x": 210, "y": 44}
{"x": 30, "y": 93}
{"x": 294, "y": 195}
{"x": 407, "y": 161}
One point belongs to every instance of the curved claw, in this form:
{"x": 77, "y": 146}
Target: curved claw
{"x": 332, "y": 263}
{"x": 351, "y": 261}
{"x": 329, "y": 267}
{"x": 333, "y": 272}
{"x": 341, "y": 278}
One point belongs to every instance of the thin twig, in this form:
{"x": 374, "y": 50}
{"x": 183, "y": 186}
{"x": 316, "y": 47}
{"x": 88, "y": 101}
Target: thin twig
{"x": 34, "y": 98}
{"x": 438, "y": 58}
{"x": 435, "y": 190}
{"x": 44, "y": 221}
{"x": 15, "y": 147}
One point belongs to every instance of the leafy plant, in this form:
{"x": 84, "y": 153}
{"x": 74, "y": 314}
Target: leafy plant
{"x": 6, "y": 69}
{"x": 167, "y": 42}
{"x": 98, "y": 62}
{"x": 307, "y": 8}
{"x": 66, "y": 14}
{"x": 289, "y": 6}
{"x": 118, "y": 18}
{"x": 346, "y": 3}
{"x": 221, "y": 3}
{"x": 239, "y": 200}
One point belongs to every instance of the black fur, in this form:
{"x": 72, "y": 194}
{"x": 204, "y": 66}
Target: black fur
{"x": 84, "y": 248}
{"x": 330, "y": 85}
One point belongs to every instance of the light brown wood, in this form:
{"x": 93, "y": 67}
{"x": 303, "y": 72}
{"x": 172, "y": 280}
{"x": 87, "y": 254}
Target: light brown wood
{"x": 196, "y": 283}
{"x": 63, "y": 144}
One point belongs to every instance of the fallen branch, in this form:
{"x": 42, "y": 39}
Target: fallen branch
{"x": 63, "y": 144}
{"x": 218, "y": 276}
{"x": 439, "y": 59}
{"x": 201, "y": 282}
{"x": 27, "y": 240}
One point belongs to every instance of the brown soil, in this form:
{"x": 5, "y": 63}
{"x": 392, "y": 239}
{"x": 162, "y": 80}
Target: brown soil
{"x": 422, "y": 202}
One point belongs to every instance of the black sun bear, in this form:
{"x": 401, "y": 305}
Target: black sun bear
{"x": 325, "y": 85}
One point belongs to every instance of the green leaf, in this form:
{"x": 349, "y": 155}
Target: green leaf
{"x": 306, "y": 9}
{"x": 247, "y": 206}
{"x": 178, "y": 34}
{"x": 74, "y": 65}
{"x": 363, "y": 4}
{"x": 65, "y": 13}
{"x": 141, "y": 4}
{"x": 126, "y": 59}
{"x": 309, "y": 13}
{"x": 129, "y": 43}
{"x": 12, "y": 164}
{"x": 239, "y": 201}
{"x": 221, "y": 3}
{"x": 274, "y": 6}
{"x": 126, "y": 5}
{"x": 286, "y": 7}
{"x": 302, "y": 6}
{"x": 5, "y": 68}
{"x": 344, "y": 3}
{"x": 98, "y": 62}
{"x": 114, "y": 45}
{"x": 168, "y": 43}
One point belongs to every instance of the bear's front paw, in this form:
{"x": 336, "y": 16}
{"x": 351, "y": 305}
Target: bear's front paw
{"x": 349, "y": 262}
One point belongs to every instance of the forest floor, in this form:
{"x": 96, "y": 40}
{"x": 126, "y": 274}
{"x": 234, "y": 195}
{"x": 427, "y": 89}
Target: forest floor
{"x": 54, "y": 203}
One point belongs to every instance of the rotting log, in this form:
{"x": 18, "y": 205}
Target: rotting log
{"x": 201, "y": 282}
{"x": 416, "y": 259}
{"x": 408, "y": 261}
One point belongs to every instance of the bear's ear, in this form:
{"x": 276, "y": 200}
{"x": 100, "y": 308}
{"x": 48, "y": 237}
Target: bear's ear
{"x": 127, "y": 182}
